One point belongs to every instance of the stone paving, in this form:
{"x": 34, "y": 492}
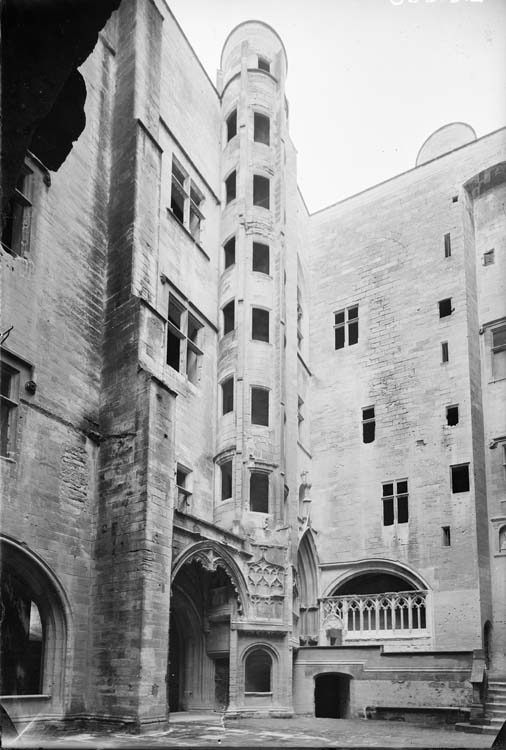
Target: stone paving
{"x": 213, "y": 731}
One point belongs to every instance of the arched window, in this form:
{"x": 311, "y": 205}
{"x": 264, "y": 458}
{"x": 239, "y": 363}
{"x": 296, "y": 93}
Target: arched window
{"x": 258, "y": 669}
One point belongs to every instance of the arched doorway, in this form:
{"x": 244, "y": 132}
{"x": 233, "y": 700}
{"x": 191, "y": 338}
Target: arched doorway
{"x": 203, "y": 602}
{"x": 332, "y": 695}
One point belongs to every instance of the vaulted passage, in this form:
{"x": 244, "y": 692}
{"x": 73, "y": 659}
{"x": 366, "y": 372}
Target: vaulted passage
{"x": 332, "y": 696}
{"x": 203, "y": 602}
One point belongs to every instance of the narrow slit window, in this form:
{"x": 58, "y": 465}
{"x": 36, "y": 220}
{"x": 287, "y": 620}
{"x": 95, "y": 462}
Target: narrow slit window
{"x": 263, "y": 64}
{"x": 452, "y": 415}
{"x": 447, "y": 245}
{"x": 230, "y": 187}
{"x": 260, "y": 406}
{"x": 227, "y": 394}
{"x": 232, "y": 125}
{"x": 16, "y": 224}
{"x": 460, "y": 478}
{"x": 499, "y": 352}
{"x": 193, "y": 348}
{"x": 9, "y": 402}
{"x": 259, "y": 324}
{"x": 455, "y": 199}
{"x": 261, "y": 128}
{"x": 196, "y": 216}
{"x": 444, "y": 351}
{"x": 226, "y": 480}
{"x": 368, "y": 424}
{"x": 447, "y": 540}
{"x": 178, "y": 193}
{"x": 445, "y": 307}
{"x": 260, "y": 258}
{"x": 259, "y": 492}
{"x": 175, "y": 334}
{"x": 183, "y": 488}
{"x": 229, "y": 252}
{"x": 229, "y": 317}
{"x": 261, "y": 188}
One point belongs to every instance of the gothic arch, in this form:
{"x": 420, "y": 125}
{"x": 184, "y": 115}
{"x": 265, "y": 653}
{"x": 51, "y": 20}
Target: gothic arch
{"x": 375, "y": 566}
{"x": 37, "y": 583}
{"x": 212, "y": 555}
{"x": 307, "y": 570}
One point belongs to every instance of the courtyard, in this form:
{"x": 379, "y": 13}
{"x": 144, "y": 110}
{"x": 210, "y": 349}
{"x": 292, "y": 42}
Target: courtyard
{"x": 212, "y": 730}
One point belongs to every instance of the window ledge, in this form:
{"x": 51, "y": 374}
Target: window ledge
{"x": 246, "y": 692}
{"x": 9, "y": 461}
{"x": 188, "y": 233}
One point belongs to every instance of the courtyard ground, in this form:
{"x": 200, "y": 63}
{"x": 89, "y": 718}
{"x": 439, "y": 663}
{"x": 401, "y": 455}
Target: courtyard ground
{"x": 186, "y": 730}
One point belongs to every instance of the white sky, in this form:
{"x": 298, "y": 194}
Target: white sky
{"x": 369, "y": 80}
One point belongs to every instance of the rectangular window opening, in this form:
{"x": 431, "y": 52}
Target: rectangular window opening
{"x": 227, "y": 393}
{"x": 196, "y": 216}
{"x": 446, "y": 536}
{"x": 346, "y": 327}
{"x": 368, "y": 424}
{"x": 444, "y": 351}
{"x": 193, "y": 350}
{"x": 395, "y": 502}
{"x": 489, "y": 257}
{"x": 499, "y": 352}
{"x": 9, "y": 402}
{"x": 460, "y": 478}
{"x": 455, "y": 199}
{"x": 261, "y": 188}
{"x": 260, "y": 258}
{"x": 183, "y": 488}
{"x": 261, "y": 128}
{"x": 260, "y": 406}
{"x": 263, "y": 64}
{"x": 445, "y": 307}
{"x": 226, "y": 480}
{"x": 259, "y": 324}
{"x": 230, "y": 187}
{"x": 229, "y": 317}
{"x": 178, "y": 193}
{"x": 174, "y": 333}
{"x": 259, "y": 492}
{"x": 16, "y": 224}
{"x": 452, "y": 415}
{"x": 448, "y": 245}
{"x": 229, "y": 252}
{"x": 231, "y": 125}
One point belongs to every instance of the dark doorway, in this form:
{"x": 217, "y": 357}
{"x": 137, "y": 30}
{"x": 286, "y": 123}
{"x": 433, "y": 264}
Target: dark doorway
{"x": 175, "y": 646}
{"x": 332, "y": 696}
{"x": 221, "y": 680}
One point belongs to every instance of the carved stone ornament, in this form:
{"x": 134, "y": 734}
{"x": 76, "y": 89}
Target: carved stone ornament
{"x": 266, "y": 578}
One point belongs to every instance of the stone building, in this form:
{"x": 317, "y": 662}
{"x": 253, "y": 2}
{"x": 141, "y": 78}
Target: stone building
{"x": 252, "y": 459}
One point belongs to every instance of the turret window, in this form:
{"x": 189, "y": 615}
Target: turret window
{"x": 259, "y": 492}
{"x": 260, "y": 406}
{"x": 227, "y": 394}
{"x": 260, "y": 258}
{"x": 261, "y": 189}
{"x": 261, "y": 128}
{"x": 232, "y": 125}
{"x": 230, "y": 187}
{"x": 263, "y": 64}
{"x": 260, "y": 324}
{"x": 226, "y": 480}
{"x": 229, "y": 252}
{"x": 229, "y": 317}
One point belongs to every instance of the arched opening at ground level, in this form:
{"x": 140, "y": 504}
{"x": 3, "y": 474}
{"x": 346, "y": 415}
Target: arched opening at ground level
{"x": 203, "y": 602}
{"x": 332, "y": 695}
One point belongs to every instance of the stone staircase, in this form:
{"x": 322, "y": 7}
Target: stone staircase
{"x": 495, "y": 709}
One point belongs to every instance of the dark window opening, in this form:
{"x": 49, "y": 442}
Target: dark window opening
{"x": 229, "y": 251}
{"x": 260, "y": 406}
{"x": 226, "y": 480}
{"x": 261, "y": 128}
{"x": 446, "y": 536}
{"x": 178, "y": 194}
{"x": 263, "y": 64}
{"x": 445, "y": 307}
{"x": 227, "y": 391}
{"x": 16, "y": 221}
{"x": 300, "y": 415}
{"x": 444, "y": 351}
{"x": 22, "y": 640}
{"x": 448, "y": 245}
{"x": 229, "y": 317}
{"x": 455, "y": 199}
{"x": 489, "y": 257}
{"x": 260, "y": 257}
{"x": 9, "y": 403}
{"x": 346, "y": 326}
{"x": 368, "y": 425}
{"x": 259, "y": 324}
{"x": 257, "y": 671}
{"x": 261, "y": 187}
{"x": 183, "y": 490}
{"x": 452, "y": 415}
{"x": 193, "y": 351}
{"x": 460, "y": 478}
{"x": 230, "y": 187}
{"x": 232, "y": 125}
{"x": 196, "y": 216}
{"x": 174, "y": 334}
{"x": 259, "y": 492}
{"x": 395, "y": 502}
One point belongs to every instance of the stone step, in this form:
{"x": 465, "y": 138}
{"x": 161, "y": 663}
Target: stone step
{"x": 499, "y": 703}
{"x": 497, "y": 685}
{"x": 476, "y": 728}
